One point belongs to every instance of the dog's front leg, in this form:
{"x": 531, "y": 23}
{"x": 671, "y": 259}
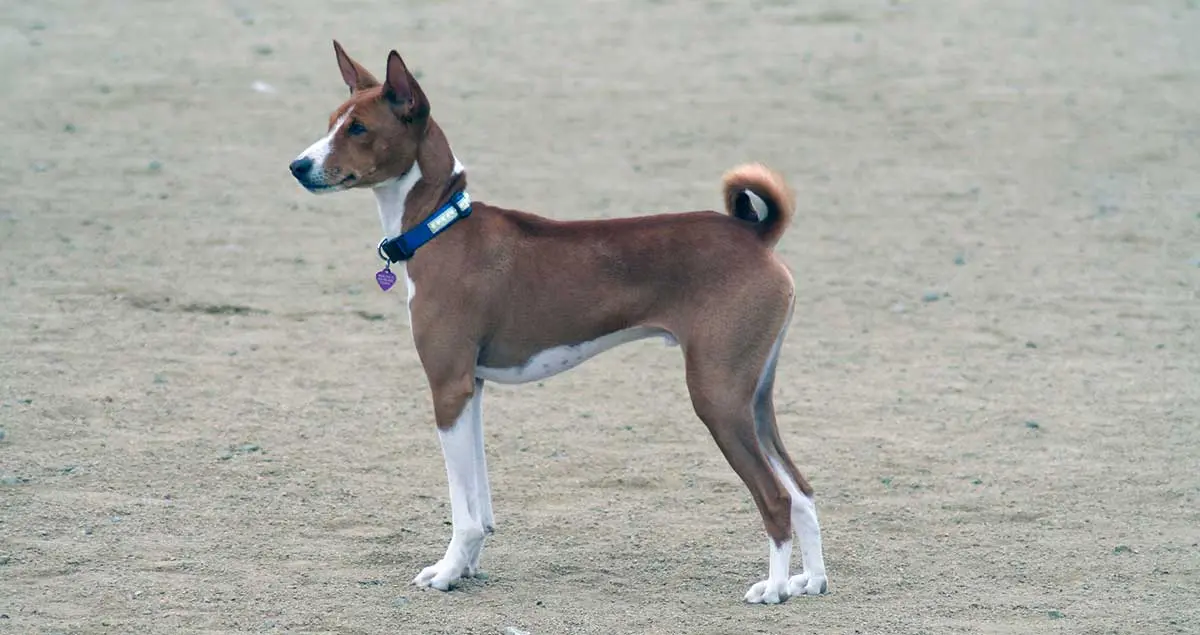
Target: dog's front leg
{"x": 483, "y": 490}
{"x": 459, "y": 447}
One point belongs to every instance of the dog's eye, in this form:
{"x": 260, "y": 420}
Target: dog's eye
{"x": 356, "y": 129}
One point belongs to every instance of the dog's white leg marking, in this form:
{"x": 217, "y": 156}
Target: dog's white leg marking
{"x": 812, "y": 580}
{"x": 483, "y": 491}
{"x": 458, "y": 448}
{"x": 774, "y": 589}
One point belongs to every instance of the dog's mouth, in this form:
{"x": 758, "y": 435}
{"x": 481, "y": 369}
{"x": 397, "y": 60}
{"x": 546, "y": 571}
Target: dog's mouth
{"x": 318, "y": 188}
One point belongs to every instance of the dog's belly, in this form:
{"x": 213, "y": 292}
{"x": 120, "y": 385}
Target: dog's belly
{"x": 553, "y": 361}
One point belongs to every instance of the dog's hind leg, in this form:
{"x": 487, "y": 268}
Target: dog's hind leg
{"x": 722, "y": 381}
{"x": 812, "y": 580}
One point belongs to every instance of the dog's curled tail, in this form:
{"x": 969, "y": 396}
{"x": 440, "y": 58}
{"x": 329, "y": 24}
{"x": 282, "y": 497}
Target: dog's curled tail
{"x": 759, "y": 195}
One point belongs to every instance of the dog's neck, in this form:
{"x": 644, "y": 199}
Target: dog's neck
{"x": 435, "y": 176}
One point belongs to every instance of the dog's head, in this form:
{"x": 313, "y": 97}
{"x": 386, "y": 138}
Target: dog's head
{"x": 373, "y": 136}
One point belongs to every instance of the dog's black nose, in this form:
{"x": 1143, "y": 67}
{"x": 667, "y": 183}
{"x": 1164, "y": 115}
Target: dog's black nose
{"x": 301, "y": 167}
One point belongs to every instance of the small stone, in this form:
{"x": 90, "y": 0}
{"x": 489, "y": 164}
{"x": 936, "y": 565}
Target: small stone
{"x": 1033, "y": 425}
{"x": 263, "y": 49}
{"x": 1055, "y": 615}
{"x": 400, "y": 602}
{"x": 5, "y": 559}
{"x": 159, "y": 378}
{"x": 931, "y": 296}
{"x": 155, "y": 166}
{"x": 960, "y": 260}
{"x": 481, "y": 575}
{"x": 2, "y": 434}
{"x": 513, "y": 630}
{"x": 13, "y": 480}
{"x": 69, "y": 128}
{"x": 1030, "y": 345}
{"x": 225, "y": 456}
{"x": 1120, "y": 549}
{"x": 25, "y": 401}
{"x": 248, "y": 447}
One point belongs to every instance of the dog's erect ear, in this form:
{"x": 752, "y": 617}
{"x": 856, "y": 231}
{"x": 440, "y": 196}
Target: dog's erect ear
{"x": 355, "y": 76}
{"x": 402, "y": 90}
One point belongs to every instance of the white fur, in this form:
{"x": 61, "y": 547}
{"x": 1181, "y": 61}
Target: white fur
{"x": 757, "y": 204}
{"x": 774, "y": 589}
{"x": 553, "y": 361}
{"x": 812, "y": 580}
{"x": 390, "y": 196}
{"x": 803, "y": 512}
{"x": 319, "y": 151}
{"x": 470, "y": 500}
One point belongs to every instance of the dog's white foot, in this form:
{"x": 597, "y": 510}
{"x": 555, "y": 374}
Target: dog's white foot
{"x": 806, "y": 584}
{"x": 441, "y": 575}
{"x": 767, "y": 592}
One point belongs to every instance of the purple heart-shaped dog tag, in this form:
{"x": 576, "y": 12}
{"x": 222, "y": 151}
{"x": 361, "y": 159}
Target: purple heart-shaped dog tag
{"x": 385, "y": 278}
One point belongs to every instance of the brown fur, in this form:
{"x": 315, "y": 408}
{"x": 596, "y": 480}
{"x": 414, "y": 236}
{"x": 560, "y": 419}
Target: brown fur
{"x": 503, "y": 285}
{"x": 769, "y": 186}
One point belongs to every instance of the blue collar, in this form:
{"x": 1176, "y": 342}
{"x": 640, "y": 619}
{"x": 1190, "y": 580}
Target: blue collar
{"x": 403, "y": 247}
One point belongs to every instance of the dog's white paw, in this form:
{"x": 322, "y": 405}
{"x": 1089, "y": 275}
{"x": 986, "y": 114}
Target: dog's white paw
{"x": 441, "y": 575}
{"x": 767, "y": 592}
{"x": 805, "y": 584}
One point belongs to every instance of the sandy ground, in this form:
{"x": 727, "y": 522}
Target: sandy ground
{"x": 213, "y": 422}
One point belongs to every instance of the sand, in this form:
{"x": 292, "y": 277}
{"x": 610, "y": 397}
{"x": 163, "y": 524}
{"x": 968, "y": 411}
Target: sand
{"x": 214, "y": 422}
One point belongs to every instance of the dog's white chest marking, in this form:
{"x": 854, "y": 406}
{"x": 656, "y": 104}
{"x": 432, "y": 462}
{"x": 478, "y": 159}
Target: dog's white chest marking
{"x": 553, "y": 361}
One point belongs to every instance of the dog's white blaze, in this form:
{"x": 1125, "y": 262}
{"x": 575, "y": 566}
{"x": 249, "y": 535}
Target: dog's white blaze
{"x": 458, "y": 167}
{"x": 390, "y": 196}
{"x": 553, "y": 361}
{"x": 319, "y": 151}
{"x": 459, "y": 448}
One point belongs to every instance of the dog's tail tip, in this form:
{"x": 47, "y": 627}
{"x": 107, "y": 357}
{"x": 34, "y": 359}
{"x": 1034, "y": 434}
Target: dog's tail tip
{"x": 759, "y": 195}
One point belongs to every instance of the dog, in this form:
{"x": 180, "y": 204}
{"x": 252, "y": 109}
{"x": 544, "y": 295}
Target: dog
{"x": 511, "y": 297}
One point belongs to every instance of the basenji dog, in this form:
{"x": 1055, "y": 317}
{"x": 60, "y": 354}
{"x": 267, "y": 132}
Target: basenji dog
{"x": 507, "y": 296}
